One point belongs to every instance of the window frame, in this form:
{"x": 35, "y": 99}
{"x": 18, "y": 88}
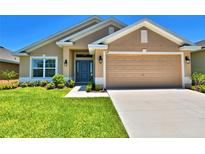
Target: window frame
{"x": 144, "y": 36}
{"x": 111, "y": 29}
{"x": 44, "y": 65}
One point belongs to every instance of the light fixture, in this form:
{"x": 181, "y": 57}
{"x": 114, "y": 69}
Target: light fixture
{"x": 188, "y": 60}
{"x": 100, "y": 59}
{"x": 65, "y": 62}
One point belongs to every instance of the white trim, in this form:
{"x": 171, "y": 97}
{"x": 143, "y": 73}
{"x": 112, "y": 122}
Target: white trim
{"x": 93, "y": 47}
{"x": 104, "y": 69}
{"x": 183, "y": 70}
{"x": 190, "y": 48}
{"x": 25, "y": 79}
{"x": 44, "y": 58}
{"x": 143, "y": 23}
{"x": 60, "y": 43}
{"x": 9, "y": 61}
{"x": 156, "y": 53}
{"x": 144, "y": 36}
{"x": 145, "y": 53}
{"x": 99, "y": 80}
{"x": 187, "y": 80}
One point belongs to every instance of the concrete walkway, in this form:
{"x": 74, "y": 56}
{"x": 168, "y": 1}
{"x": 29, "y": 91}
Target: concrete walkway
{"x": 79, "y": 91}
{"x": 161, "y": 113}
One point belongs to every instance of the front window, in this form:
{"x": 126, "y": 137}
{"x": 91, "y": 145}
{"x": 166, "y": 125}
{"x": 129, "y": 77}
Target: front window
{"x": 43, "y": 67}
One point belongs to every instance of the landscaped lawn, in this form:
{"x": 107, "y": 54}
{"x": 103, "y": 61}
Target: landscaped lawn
{"x": 37, "y": 112}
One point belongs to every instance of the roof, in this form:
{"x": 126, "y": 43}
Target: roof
{"x": 144, "y": 23}
{"x": 59, "y": 34}
{"x": 72, "y": 38}
{"x": 201, "y": 43}
{"x": 6, "y": 56}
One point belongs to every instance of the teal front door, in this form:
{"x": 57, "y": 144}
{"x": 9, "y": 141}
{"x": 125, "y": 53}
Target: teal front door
{"x": 84, "y": 70}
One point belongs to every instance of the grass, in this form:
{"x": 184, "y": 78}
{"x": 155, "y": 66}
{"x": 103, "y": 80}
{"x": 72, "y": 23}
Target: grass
{"x": 37, "y": 112}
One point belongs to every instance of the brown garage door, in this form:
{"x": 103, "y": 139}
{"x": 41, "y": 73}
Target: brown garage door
{"x": 143, "y": 71}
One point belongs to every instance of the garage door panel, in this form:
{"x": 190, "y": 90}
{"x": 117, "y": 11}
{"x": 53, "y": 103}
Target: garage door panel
{"x": 143, "y": 71}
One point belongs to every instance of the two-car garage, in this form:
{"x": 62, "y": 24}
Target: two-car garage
{"x": 143, "y": 70}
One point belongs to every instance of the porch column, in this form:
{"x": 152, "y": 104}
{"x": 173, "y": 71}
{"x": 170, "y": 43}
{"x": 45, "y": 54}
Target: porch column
{"x": 66, "y": 67}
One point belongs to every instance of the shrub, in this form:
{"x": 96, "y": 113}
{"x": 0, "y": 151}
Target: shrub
{"x": 58, "y": 79}
{"x": 71, "y": 83}
{"x": 36, "y": 83}
{"x": 29, "y": 84}
{"x": 202, "y": 88}
{"x": 198, "y": 78}
{"x": 50, "y": 86}
{"x": 9, "y": 86}
{"x": 23, "y": 84}
{"x": 61, "y": 85}
{"x": 98, "y": 87}
{"x": 8, "y": 75}
{"x": 88, "y": 87}
{"x": 43, "y": 83}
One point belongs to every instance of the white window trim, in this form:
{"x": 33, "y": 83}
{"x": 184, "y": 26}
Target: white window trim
{"x": 151, "y": 53}
{"x": 111, "y": 30}
{"x": 144, "y": 36}
{"x": 44, "y": 58}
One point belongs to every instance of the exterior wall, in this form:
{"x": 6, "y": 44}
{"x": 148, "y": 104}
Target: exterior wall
{"x": 8, "y": 66}
{"x": 24, "y": 67}
{"x": 198, "y": 61}
{"x": 83, "y": 42}
{"x": 99, "y": 76}
{"x": 132, "y": 42}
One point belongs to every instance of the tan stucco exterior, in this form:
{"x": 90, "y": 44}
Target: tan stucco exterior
{"x": 198, "y": 61}
{"x": 132, "y": 42}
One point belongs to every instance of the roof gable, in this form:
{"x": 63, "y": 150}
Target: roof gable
{"x": 143, "y": 23}
{"x": 70, "y": 39}
{"x": 67, "y": 31}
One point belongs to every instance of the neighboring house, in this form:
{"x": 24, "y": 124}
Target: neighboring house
{"x": 198, "y": 58}
{"x": 8, "y": 61}
{"x": 141, "y": 55}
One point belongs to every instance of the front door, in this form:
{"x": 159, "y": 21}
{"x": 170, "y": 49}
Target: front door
{"x": 84, "y": 70}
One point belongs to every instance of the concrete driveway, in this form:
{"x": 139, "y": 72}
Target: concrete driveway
{"x": 161, "y": 113}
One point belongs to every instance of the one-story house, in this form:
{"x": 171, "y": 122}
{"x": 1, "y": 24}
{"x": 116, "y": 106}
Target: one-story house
{"x": 198, "y": 58}
{"x": 114, "y": 55}
{"x": 8, "y": 61}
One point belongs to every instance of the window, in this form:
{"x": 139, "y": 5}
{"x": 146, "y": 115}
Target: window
{"x": 111, "y": 30}
{"x": 43, "y": 67}
{"x": 144, "y": 36}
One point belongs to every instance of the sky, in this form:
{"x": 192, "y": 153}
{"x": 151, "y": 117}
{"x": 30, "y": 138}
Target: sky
{"x": 17, "y": 32}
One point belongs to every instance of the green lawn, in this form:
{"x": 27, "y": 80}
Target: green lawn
{"x": 37, "y": 112}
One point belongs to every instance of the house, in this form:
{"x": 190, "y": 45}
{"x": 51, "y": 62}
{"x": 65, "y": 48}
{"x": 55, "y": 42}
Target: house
{"x": 8, "y": 61}
{"x": 140, "y": 55}
{"x": 198, "y": 58}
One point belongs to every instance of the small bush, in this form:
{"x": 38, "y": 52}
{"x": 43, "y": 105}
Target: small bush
{"x": 36, "y": 83}
{"x": 58, "y": 79}
{"x": 8, "y": 75}
{"x": 98, "y": 87}
{"x": 61, "y": 85}
{"x": 29, "y": 84}
{"x": 88, "y": 87}
{"x": 9, "y": 86}
{"x": 23, "y": 84}
{"x": 202, "y": 88}
{"x": 198, "y": 78}
{"x": 43, "y": 83}
{"x": 71, "y": 83}
{"x": 50, "y": 86}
